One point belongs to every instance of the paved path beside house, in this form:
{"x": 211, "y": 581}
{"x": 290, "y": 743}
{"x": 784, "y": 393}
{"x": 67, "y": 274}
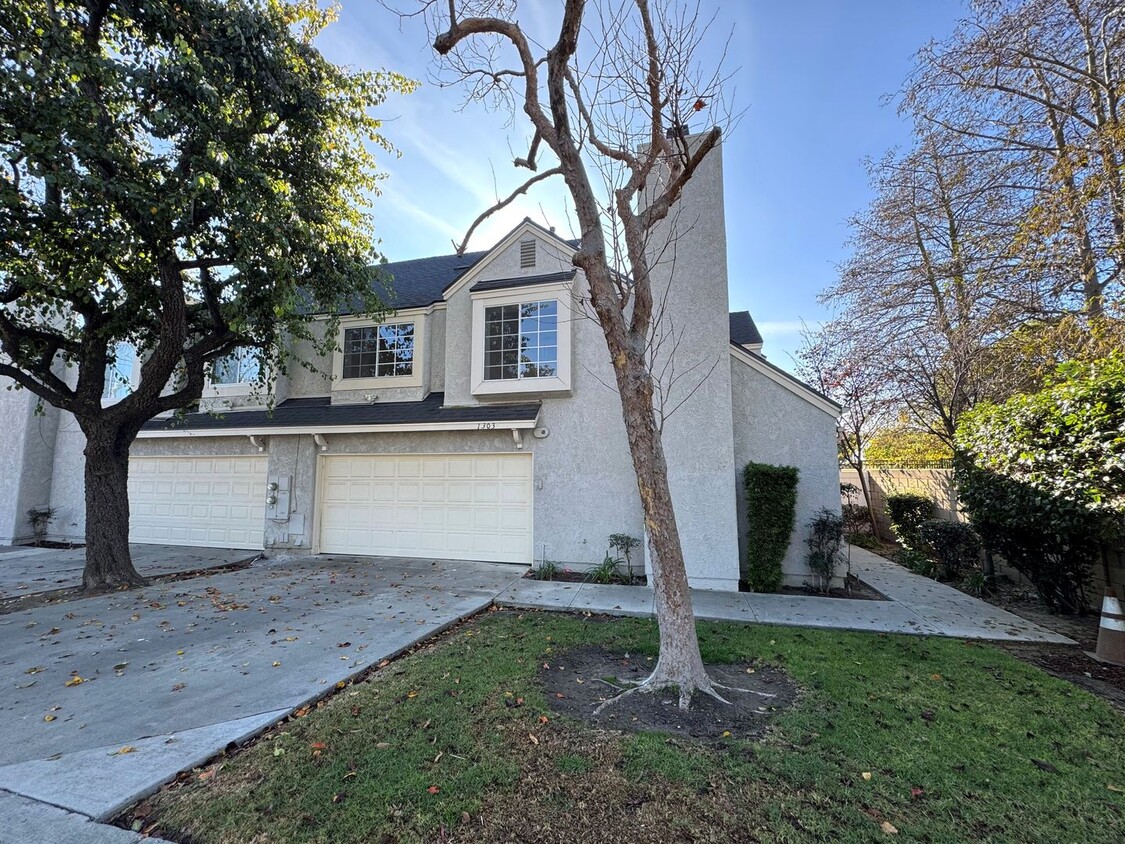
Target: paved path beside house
{"x": 916, "y": 605}
{"x": 25, "y": 570}
{"x": 177, "y": 671}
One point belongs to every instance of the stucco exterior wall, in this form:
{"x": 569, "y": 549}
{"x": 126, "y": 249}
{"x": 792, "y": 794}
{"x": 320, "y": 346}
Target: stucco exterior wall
{"x": 690, "y": 289}
{"x": 772, "y": 425}
{"x": 25, "y": 460}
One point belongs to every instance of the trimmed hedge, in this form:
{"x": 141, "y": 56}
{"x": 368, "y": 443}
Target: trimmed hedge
{"x": 1042, "y": 477}
{"x": 771, "y": 506}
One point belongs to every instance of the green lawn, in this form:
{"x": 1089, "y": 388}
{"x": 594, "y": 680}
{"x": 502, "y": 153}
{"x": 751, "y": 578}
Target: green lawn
{"x": 434, "y": 749}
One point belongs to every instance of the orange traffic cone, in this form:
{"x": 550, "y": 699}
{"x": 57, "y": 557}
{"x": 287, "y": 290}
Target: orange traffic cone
{"x": 1111, "y": 633}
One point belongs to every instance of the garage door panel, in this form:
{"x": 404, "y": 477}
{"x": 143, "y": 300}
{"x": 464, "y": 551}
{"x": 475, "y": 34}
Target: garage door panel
{"x": 455, "y": 506}
{"x": 216, "y": 502}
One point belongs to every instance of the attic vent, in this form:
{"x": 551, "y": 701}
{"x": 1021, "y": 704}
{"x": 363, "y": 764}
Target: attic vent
{"x": 527, "y": 254}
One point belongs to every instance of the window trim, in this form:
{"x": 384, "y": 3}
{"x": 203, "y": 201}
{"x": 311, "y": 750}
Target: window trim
{"x": 560, "y": 293}
{"x": 234, "y": 387}
{"x": 414, "y": 379}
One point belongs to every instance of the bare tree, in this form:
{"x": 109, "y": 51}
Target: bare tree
{"x": 852, "y": 374}
{"x": 608, "y": 101}
{"x": 1034, "y": 87}
{"x": 930, "y": 280}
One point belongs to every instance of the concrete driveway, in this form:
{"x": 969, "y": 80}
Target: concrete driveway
{"x": 25, "y": 570}
{"x": 179, "y": 670}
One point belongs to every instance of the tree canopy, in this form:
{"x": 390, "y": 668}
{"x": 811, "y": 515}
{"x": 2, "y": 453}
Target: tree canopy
{"x": 181, "y": 178}
{"x": 185, "y": 176}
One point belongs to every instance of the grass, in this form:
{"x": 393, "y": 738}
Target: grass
{"x": 438, "y": 747}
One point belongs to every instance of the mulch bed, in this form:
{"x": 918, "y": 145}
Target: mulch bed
{"x": 1064, "y": 661}
{"x": 576, "y": 682}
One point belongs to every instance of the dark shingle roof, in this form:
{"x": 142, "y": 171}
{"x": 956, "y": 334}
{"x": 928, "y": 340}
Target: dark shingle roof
{"x": 522, "y": 281}
{"x": 320, "y": 413}
{"x": 742, "y": 329}
{"x": 420, "y": 281}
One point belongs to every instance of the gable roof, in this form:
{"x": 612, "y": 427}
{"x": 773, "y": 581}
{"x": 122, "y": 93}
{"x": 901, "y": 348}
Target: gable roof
{"x": 743, "y": 331}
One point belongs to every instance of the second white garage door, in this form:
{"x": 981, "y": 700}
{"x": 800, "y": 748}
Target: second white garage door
{"x": 212, "y": 502}
{"x": 450, "y": 506}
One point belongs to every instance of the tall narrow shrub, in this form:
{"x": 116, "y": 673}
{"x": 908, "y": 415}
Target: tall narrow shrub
{"x": 771, "y": 505}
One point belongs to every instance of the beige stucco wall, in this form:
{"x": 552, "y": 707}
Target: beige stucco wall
{"x": 773, "y": 425}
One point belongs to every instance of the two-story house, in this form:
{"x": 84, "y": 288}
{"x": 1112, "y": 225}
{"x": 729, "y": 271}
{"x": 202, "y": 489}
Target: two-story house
{"x": 478, "y": 421}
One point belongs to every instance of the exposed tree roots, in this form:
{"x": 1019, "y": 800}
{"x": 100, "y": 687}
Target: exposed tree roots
{"x": 653, "y": 683}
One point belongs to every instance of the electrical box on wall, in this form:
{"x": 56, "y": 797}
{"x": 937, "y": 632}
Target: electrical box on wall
{"x": 278, "y": 496}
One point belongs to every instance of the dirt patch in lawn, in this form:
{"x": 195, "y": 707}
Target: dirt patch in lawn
{"x": 1064, "y": 661}
{"x": 576, "y": 682}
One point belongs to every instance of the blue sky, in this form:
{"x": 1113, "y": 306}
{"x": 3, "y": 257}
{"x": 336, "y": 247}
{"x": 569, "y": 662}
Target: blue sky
{"x": 810, "y": 75}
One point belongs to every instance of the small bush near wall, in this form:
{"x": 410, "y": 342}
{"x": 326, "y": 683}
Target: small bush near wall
{"x": 907, "y": 511}
{"x": 954, "y": 546}
{"x": 826, "y": 536}
{"x": 771, "y": 505}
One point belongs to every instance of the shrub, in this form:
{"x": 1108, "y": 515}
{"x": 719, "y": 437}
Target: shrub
{"x": 826, "y": 535}
{"x": 605, "y": 571}
{"x": 771, "y": 504}
{"x": 857, "y": 518}
{"x": 907, "y": 511}
{"x": 625, "y": 544}
{"x": 39, "y": 518}
{"x": 547, "y": 570}
{"x": 954, "y": 546}
{"x": 1043, "y": 477}
{"x": 863, "y": 540}
{"x": 916, "y": 561}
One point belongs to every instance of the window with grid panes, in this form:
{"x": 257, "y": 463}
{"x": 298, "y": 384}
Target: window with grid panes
{"x": 378, "y": 351}
{"x": 521, "y": 341}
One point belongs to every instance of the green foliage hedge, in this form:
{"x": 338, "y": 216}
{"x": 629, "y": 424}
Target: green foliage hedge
{"x": 771, "y": 504}
{"x": 1043, "y": 477}
{"x": 954, "y": 545}
{"x": 907, "y": 511}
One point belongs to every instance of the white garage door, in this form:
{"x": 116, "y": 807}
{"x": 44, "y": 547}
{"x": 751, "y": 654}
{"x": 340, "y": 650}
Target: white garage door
{"x": 450, "y": 506}
{"x": 212, "y": 502}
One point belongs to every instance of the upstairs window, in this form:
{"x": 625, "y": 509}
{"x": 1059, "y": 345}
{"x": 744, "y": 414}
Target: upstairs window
{"x": 527, "y": 254}
{"x": 119, "y": 372}
{"x": 379, "y": 351}
{"x": 521, "y": 341}
{"x": 239, "y": 367}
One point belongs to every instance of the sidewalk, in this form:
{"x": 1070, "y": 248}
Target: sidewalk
{"x": 915, "y": 605}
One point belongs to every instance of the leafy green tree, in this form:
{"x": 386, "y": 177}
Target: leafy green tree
{"x": 1043, "y": 476}
{"x": 904, "y": 446}
{"x": 184, "y": 176}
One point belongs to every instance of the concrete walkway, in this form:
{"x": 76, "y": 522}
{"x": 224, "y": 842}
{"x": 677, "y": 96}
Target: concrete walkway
{"x": 915, "y": 605}
{"x": 178, "y": 671}
{"x": 25, "y": 570}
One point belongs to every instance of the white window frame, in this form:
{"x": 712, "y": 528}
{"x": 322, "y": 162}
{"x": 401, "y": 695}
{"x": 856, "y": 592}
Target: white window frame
{"x": 236, "y": 388}
{"x": 414, "y": 379}
{"x": 561, "y": 380}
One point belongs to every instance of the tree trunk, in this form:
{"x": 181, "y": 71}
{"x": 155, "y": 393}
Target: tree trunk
{"x": 679, "y": 663}
{"x": 865, "y": 487}
{"x": 108, "y": 563}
